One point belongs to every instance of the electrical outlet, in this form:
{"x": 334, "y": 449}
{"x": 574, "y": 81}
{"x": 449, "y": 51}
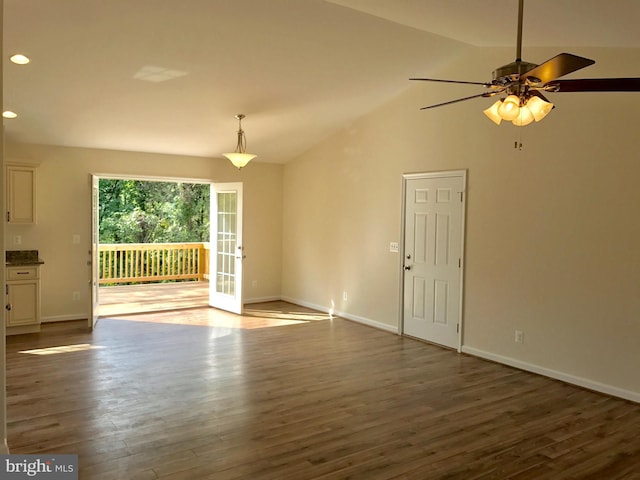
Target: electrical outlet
{"x": 254, "y": 283}
{"x": 17, "y": 239}
{"x": 345, "y": 297}
{"x": 519, "y": 338}
{"x": 76, "y": 296}
{"x": 75, "y": 239}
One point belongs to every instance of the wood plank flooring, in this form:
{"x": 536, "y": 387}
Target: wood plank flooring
{"x": 285, "y": 393}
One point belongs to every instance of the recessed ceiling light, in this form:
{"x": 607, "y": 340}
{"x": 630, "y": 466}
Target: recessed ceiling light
{"x": 20, "y": 59}
{"x": 9, "y": 114}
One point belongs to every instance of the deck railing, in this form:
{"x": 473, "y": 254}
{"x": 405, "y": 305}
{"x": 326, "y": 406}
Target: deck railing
{"x": 153, "y": 262}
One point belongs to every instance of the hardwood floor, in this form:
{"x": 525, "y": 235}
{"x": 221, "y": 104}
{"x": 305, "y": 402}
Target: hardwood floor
{"x": 287, "y": 393}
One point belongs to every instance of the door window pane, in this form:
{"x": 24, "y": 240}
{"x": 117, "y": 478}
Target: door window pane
{"x": 227, "y": 243}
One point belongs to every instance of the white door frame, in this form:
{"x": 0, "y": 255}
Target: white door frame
{"x": 93, "y": 254}
{"x": 438, "y": 174}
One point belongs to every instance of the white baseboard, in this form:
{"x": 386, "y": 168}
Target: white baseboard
{"x": 64, "y": 318}
{"x": 345, "y": 315}
{"x": 547, "y": 372}
{"x": 248, "y": 301}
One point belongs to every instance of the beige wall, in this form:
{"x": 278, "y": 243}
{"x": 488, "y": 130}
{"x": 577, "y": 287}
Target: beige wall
{"x": 64, "y": 210}
{"x": 552, "y": 230}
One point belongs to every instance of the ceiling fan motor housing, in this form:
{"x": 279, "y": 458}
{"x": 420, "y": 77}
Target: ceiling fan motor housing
{"x": 511, "y": 72}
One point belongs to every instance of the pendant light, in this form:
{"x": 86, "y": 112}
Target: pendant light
{"x": 240, "y": 158}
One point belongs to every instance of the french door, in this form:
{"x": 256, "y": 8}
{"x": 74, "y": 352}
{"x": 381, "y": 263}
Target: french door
{"x": 227, "y": 252}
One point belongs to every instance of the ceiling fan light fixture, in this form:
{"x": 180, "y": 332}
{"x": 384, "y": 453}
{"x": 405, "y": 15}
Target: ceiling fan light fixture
{"x": 240, "y": 157}
{"x": 539, "y": 108}
{"x": 529, "y": 80}
{"x": 510, "y": 108}
{"x": 492, "y": 112}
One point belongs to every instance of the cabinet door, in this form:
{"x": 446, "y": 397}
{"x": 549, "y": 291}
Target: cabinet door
{"x": 23, "y": 298}
{"x": 21, "y": 194}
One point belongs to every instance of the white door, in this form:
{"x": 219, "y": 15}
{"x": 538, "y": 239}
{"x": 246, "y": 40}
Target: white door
{"x": 433, "y": 247}
{"x": 94, "y": 260}
{"x": 225, "y": 267}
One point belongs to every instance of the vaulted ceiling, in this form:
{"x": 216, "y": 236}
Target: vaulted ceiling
{"x": 168, "y": 76}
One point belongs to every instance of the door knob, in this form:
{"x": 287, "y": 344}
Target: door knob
{"x": 407, "y": 267}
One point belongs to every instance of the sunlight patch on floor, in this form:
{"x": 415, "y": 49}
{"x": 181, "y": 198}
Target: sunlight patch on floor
{"x": 291, "y": 315}
{"x": 211, "y": 317}
{"x": 81, "y": 347}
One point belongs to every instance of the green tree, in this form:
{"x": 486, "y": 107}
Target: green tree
{"x": 135, "y": 211}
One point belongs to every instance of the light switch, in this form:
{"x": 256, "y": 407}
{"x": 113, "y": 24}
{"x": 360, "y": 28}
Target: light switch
{"x": 76, "y": 239}
{"x": 393, "y": 247}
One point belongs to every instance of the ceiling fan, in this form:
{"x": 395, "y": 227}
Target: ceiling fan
{"x": 523, "y": 83}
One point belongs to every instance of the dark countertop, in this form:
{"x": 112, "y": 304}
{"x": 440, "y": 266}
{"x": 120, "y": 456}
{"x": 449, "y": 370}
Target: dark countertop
{"x": 21, "y": 258}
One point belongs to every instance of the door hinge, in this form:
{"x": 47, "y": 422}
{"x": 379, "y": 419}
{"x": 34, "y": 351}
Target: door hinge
{"x": 8, "y": 216}
{"x": 457, "y": 328}
{"x": 459, "y": 263}
{"x": 461, "y": 196}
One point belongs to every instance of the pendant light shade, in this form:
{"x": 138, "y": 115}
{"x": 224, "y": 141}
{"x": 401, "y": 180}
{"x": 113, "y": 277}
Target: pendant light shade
{"x": 240, "y": 157}
{"x": 239, "y": 160}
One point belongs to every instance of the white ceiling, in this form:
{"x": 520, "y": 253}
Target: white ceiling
{"x": 299, "y": 69}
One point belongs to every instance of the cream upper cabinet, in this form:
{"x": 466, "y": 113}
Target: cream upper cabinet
{"x": 21, "y": 194}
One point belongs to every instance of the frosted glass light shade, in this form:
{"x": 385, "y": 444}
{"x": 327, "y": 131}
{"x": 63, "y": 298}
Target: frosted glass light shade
{"x": 525, "y": 117}
{"x": 539, "y": 108}
{"x": 239, "y": 160}
{"x": 492, "y": 112}
{"x": 509, "y": 108}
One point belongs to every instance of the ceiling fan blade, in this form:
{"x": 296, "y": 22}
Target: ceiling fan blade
{"x": 485, "y": 94}
{"x": 484, "y": 84}
{"x": 537, "y": 93}
{"x": 595, "y": 85}
{"x": 557, "y": 67}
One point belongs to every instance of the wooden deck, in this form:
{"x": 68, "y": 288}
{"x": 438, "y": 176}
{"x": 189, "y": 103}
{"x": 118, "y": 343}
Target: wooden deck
{"x": 126, "y": 299}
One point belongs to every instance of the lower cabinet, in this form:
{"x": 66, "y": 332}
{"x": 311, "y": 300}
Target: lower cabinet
{"x": 23, "y": 300}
